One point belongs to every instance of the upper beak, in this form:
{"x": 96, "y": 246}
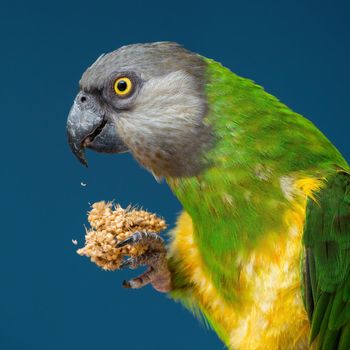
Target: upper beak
{"x": 89, "y": 127}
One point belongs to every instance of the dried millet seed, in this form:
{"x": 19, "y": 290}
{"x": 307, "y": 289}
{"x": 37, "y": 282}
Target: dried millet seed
{"x": 111, "y": 224}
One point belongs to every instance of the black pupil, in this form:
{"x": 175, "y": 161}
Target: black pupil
{"x": 122, "y": 85}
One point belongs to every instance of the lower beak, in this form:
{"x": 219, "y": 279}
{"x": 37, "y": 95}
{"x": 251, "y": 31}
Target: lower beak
{"x": 89, "y": 127}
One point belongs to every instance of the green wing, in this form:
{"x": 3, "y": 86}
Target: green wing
{"x": 326, "y": 280}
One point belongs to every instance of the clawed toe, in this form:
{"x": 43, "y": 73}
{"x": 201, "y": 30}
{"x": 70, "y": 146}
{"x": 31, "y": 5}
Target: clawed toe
{"x": 160, "y": 280}
{"x": 154, "y": 257}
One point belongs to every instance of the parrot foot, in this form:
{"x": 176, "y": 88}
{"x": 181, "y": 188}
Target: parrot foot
{"x": 154, "y": 257}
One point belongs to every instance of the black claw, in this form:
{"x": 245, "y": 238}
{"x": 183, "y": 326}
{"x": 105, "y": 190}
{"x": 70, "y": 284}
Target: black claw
{"x": 126, "y": 263}
{"x": 125, "y": 242}
{"x": 126, "y": 284}
{"x": 140, "y": 236}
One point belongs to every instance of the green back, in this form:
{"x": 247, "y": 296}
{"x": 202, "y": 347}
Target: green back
{"x": 238, "y": 198}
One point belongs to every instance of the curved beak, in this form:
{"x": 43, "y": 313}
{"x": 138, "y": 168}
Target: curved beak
{"x": 89, "y": 127}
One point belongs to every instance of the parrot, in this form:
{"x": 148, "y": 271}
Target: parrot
{"x": 261, "y": 248}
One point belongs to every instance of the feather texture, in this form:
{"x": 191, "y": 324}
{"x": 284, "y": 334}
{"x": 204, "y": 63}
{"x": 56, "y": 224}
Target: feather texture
{"x": 237, "y": 250}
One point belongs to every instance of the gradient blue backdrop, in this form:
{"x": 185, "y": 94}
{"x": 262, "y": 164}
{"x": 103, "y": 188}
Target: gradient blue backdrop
{"x": 50, "y": 298}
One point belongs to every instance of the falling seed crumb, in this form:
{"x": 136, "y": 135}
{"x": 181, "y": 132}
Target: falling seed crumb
{"x": 111, "y": 224}
{"x": 82, "y": 184}
{"x": 74, "y": 241}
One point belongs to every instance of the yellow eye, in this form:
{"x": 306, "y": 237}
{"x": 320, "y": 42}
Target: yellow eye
{"x": 122, "y": 86}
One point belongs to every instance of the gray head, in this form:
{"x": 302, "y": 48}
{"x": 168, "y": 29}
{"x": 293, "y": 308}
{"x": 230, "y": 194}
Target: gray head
{"x": 148, "y": 99}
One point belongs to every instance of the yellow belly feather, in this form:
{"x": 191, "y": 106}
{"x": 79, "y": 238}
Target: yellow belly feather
{"x": 270, "y": 313}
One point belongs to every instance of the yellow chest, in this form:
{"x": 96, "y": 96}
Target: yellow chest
{"x": 270, "y": 313}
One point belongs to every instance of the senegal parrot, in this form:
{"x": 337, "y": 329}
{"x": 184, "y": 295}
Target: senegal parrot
{"x": 262, "y": 247}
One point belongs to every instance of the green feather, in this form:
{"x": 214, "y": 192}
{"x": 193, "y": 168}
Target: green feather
{"x": 344, "y": 342}
{"x": 319, "y": 312}
{"x": 327, "y": 240}
{"x": 324, "y": 324}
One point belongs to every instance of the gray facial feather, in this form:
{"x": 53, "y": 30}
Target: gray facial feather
{"x": 146, "y": 60}
{"x": 163, "y": 123}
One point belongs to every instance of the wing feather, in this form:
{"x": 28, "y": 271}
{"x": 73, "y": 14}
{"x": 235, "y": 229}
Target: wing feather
{"x": 326, "y": 282}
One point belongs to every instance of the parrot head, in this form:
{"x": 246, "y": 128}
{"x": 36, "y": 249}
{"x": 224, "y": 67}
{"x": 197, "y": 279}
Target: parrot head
{"x": 147, "y": 99}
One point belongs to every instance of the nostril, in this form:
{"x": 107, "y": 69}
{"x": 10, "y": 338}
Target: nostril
{"x": 82, "y": 99}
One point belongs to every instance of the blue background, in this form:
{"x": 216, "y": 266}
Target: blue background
{"x": 50, "y": 298}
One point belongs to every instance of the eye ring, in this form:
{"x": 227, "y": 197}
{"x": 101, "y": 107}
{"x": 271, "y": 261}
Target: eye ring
{"x": 122, "y": 86}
